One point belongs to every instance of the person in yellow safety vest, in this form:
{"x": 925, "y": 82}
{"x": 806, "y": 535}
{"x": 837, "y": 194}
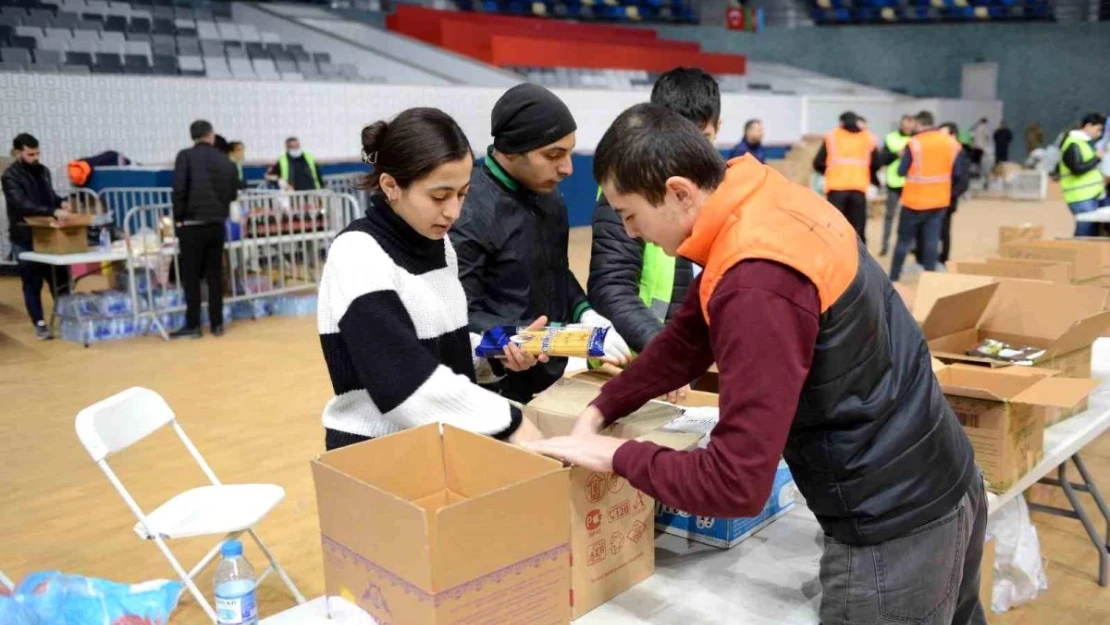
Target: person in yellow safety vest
{"x": 296, "y": 167}
{"x": 633, "y": 283}
{"x": 1081, "y": 181}
{"x": 893, "y": 145}
{"x": 848, "y": 158}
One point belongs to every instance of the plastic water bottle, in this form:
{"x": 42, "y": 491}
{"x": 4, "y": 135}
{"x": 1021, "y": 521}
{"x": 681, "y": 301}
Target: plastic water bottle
{"x": 235, "y": 584}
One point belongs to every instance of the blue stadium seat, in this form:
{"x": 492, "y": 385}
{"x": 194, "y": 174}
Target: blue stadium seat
{"x": 107, "y": 63}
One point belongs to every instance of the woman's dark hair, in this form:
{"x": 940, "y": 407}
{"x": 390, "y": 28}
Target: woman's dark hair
{"x": 411, "y": 145}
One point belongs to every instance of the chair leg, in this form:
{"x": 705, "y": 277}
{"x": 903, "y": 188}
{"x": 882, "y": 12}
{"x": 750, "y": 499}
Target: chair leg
{"x": 277, "y": 567}
{"x": 188, "y": 581}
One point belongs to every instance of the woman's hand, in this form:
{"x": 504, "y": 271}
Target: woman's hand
{"x": 516, "y": 359}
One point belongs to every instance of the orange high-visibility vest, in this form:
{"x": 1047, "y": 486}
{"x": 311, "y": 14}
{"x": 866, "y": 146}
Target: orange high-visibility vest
{"x": 758, "y": 213}
{"x": 848, "y": 167}
{"x": 929, "y": 180}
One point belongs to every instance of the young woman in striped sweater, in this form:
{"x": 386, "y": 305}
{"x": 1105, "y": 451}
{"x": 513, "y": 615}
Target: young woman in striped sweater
{"x": 392, "y": 314}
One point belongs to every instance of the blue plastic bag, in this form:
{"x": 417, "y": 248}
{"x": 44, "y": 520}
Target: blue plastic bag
{"x": 54, "y": 598}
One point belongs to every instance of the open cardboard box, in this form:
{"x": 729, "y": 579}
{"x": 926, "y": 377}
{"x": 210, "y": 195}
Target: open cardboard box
{"x": 933, "y": 286}
{"x": 1004, "y": 414}
{"x": 612, "y": 541}
{"x": 1051, "y": 271}
{"x": 451, "y": 528}
{"x": 1063, "y": 319}
{"x": 48, "y": 236}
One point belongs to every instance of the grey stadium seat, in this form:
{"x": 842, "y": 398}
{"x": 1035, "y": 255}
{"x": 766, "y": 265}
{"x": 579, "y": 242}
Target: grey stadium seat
{"x": 268, "y": 38}
{"x": 44, "y": 68}
{"x": 139, "y": 48}
{"x": 12, "y": 66}
{"x": 216, "y": 67}
{"x": 165, "y": 65}
{"x": 265, "y": 68}
{"x": 21, "y": 56}
{"x": 76, "y": 69}
{"x": 136, "y": 64}
{"x": 348, "y": 71}
{"x": 163, "y": 49}
{"x": 52, "y": 57}
{"x": 229, "y": 31}
{"x": 55, "y": 43}
{"x": 241, "y": 68}
{"x": 58, "y": 33}
{"x": 107, "y": 63}
{"x": 212, "y": 48}
{"x": 185, "y": 22}
{"x": 191, "y": 64}
{"x": 79, "y": 58}
{"x": 29, "y": 31}
{"x": 65, "y": 19}
{"x": 286, "y": 67}
{"x": 236, "y": 53}
{"x": 207, "y": 30}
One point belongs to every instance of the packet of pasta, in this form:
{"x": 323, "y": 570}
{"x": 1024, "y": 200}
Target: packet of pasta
{"x": 560, "y": 342}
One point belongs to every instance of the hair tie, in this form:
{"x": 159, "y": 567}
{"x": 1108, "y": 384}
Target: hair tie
{"x": 370, "y": 158}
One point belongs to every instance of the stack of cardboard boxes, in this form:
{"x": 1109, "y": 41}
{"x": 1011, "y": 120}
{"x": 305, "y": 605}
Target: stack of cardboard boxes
{"x": 797, "y": 165}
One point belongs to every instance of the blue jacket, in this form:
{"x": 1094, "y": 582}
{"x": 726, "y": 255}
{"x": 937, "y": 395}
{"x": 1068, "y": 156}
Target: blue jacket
{"x": 743, "y": 148}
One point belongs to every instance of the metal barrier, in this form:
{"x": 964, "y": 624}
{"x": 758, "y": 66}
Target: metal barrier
{"x": 276, "y": 244}
{"x": 119, "y": 201}
{"x": 349, "y": 184}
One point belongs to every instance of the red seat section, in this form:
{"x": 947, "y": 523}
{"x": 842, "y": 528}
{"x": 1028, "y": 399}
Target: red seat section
{"x": 505, "y": 40}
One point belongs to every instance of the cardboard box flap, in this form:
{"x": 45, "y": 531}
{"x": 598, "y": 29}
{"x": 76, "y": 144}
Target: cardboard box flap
{"x": 1086, "y": 260}
{"x": 957, "y": 311}
{"x": 1057, "y": 392}
{"x": 933, "y": 286}
{"x": 599, "y": 377}
{"x": 530, "y": 522}
{"x": 982, "y": 383}
{"x": 407, "y": 464}
{"x": 1040, "y": 310}
{"x": 555, "y": 410}
{"x": 466, "y": 463}
{"x": 1081, "y": 334}
{"x": 73, "y": 221}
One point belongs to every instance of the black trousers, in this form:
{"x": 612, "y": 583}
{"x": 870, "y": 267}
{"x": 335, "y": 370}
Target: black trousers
{"x": 945, "y": 237}
{"x": 33, "y": 277}
{"x": 202, "y": 250}
{"x": 853, "y": 204}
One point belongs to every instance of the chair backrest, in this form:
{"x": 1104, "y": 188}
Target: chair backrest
{"x": 122, "y": 420}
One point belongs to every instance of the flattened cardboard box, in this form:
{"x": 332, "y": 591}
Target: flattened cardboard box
{"x": 1085, "y": 259}
{"x": 1003, "y": 413}
{"x": 613, "y": 544}
{"x": 1063, "y": 319}
{"x": 424, "y": 528}
{"x": 1024, "y": 232}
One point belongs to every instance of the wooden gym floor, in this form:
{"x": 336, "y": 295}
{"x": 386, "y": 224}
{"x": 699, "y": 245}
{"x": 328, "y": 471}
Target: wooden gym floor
{"x": 251, "y": 401}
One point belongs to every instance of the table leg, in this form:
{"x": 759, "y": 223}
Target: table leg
{"x": 1078, "y": 512}
{"x": 54, "y": 296}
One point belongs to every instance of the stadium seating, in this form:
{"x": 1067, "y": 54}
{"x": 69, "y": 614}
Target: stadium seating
{"x": 834, "y": 12}
{"x": 151, "y": 37}
{"x": 632, "y": 11}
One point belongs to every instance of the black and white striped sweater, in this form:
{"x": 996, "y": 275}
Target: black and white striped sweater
{"x": 392, "y": 318}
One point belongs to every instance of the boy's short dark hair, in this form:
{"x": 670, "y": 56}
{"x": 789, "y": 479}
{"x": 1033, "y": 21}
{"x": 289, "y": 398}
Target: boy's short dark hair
{"x": 24, "y": 140}
{"x": 649, "y": 143}
{"x": 1098, "y": 119}
{"x": 199, "y": 129}
{"x": 751, "y": 122}
{"x": 234, "y": 145}
{"x": 925, "y": 118}
{"x": 951, "y": 127}
{"x": 691, "y": 93}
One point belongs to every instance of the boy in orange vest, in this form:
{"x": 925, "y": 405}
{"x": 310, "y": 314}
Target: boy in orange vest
{"x": 930, "y": 164}
{"x": 849, "y": 158}
{"x": 819, "y": 363}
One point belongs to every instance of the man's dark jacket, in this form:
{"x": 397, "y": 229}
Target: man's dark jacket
{"x": 205, "y": 183}
{"x": 616, "y": 261}
{"x": 28, "y": 192}
{"x": 512, "y": 250}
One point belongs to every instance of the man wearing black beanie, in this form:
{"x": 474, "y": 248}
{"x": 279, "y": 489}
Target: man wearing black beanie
{"x": 511, "y": 238}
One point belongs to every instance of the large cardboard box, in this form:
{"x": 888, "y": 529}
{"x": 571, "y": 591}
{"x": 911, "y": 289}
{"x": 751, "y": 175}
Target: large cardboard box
{"x": 1023, "y": 232}
{"x": 1003, "y": 413}
{"x": 727, "y": 533}
{"x": 48, "y": 236}
{"x": 1085, "y": 258}
{"x": 1063, "y": 319}
{"x": 986, "y": 575}
{"x": 426, "y": 527}
{"x": 1051, "y": 271}
{"x": 933, "y": 286}
{"x": 612, "y": 542}
{"x": 599, "y": 377}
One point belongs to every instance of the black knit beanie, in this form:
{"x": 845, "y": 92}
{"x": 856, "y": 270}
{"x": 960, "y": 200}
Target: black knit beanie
{"x": 527, "y": 117}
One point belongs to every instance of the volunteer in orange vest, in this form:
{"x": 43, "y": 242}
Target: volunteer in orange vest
{"x": 848, "y": 158}
{"x": 819, "y": 362}
{"x": 930, "y": 163}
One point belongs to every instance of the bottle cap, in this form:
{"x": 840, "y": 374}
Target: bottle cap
{"x": 232, "y": 548}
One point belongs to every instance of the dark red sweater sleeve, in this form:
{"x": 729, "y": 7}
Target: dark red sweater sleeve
{"x": 764, "y": 327}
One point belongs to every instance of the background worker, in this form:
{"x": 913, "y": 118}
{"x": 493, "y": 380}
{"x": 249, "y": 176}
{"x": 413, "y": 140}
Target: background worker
{"x": 237, "y": 152}
{"x": 29, "y": 192}
{"x": 820, "y": 363}
{"x": 894, "y": 144}
{"x": 752, "y": 143}
{"x": 1003, "y": 137}
{"x": 848, "y": 158}
{"x": 512, "y": 238}
{"x": 296, "y": 167}
{"x": 929, "y": 164}
{"x": 636, "y": 284}
{"x": 204, "y": 186}
{"x": 960, "y": 182}
{"x": 1081, "y": 181}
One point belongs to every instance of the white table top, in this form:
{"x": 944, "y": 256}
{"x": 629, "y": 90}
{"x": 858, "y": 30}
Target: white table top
{"x": 64, "y": 260}
{"x": 1101, "y": 215}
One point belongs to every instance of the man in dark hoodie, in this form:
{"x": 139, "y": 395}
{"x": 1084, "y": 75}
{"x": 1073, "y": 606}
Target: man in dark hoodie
{"x": 512, "y": 236}
{"x": 849, "y": 159}
{"x": 636, "y": 284}
{"x": 752, "y": 143}
{"x": 29, "y": 192}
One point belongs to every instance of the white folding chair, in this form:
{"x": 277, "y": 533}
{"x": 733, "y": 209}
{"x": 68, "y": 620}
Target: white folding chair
{"x": 126, "y": 418}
